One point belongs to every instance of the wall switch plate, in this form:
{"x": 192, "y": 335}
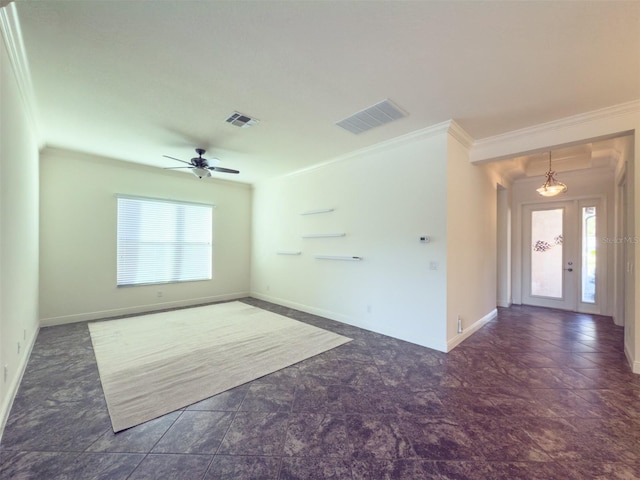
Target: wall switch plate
{"x": 425, "y": 239}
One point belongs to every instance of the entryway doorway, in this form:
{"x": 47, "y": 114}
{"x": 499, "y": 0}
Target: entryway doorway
{"x": 564, "y": 264}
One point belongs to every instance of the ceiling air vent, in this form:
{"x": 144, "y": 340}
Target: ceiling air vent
{"x": 371, "y": 117}
{"x": 241, "y": 120}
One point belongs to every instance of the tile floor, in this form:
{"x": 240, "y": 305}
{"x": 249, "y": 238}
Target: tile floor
{"x": 535, "y": 394}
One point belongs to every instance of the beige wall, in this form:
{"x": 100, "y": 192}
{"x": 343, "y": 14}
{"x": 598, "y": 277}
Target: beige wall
{"x": 18, "y": 235}
{"x": 471, "y": 207}
{"x": 632, "y": 275}
{"x": 78, "y": 237}
{"x": 503, "y": 245}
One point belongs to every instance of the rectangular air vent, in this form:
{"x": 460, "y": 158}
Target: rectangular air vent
{"x": 371, "y": 117}
{"x": 241, "y": 120}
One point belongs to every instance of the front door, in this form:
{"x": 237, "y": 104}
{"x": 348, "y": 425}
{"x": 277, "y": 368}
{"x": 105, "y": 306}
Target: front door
{"x": 563, "y": 261}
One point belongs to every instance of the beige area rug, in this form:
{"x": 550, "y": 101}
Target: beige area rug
{"x": 154, "y": 364}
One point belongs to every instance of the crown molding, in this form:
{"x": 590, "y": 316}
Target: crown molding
{"x": 460, "y": 134}
{"x": 417, "y": 135}
{"x": 575, "y": 120}
{"x": 450, "y": 127}
{"x": 572, "y": 175}
{"x": 12, "y": 37}
{"x": 484, "y": 149}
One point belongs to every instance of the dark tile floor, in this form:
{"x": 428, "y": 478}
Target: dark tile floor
{"x": 535, "y": 394}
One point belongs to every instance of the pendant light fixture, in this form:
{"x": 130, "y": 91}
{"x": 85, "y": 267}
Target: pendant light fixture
{"x": 551, "y": 187}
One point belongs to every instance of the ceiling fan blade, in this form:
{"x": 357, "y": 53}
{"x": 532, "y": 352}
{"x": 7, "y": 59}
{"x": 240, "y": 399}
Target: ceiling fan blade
{"x": 172, "y": 158}
{"x": 223, "y": 170}
{"x": 174, "y": 168}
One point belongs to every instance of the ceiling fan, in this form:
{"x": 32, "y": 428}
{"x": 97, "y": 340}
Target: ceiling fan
{"x": 200, "y": 166}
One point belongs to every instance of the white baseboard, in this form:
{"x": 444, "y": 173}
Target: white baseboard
{"x": 306, "y": 308}
{"x": 338, "y": 317}
{"x": 618, "y": 320}
{"x": 470, "y": 330}
{"x": 12, "y": 391}
{"x": 633, "y": 363}
{"x": 116, "y": 312}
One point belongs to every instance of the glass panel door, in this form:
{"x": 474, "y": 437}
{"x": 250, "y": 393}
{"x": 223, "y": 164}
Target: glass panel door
{"x": 593, "y": 257}
{"x": 589, "y": 252}
{"x": 549, "y": 255}
{"x": 546, "y": 255}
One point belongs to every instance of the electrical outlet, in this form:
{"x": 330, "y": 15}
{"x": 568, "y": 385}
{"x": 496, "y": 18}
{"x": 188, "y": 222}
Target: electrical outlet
{"x": 159, "y": 294}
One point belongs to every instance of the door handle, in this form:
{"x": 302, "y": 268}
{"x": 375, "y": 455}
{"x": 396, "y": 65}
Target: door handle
{"x": 568, "y": 269}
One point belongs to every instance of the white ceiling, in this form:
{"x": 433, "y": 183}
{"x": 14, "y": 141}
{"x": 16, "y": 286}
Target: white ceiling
{"x": 135, "y": 80}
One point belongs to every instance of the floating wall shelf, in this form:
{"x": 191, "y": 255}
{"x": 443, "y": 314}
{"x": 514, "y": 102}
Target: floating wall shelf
{"x": 315, "y": 212}
{"x": 288, "y": 252}
{"x": 339, "y": 257}
{"x": 323, "y": 235}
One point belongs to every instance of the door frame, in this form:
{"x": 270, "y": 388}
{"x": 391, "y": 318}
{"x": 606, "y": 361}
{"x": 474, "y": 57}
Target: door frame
{"x": 572, "y": 226}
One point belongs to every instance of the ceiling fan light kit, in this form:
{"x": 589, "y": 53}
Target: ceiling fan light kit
{"x": 200, "y": 166}
{"x": 201, "y": 172}
{"x": 551, "y": 187}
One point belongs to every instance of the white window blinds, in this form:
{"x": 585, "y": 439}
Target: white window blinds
{"x": 161, "y": 241}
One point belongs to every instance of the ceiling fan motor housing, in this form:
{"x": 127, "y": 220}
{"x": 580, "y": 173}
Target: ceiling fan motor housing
{"x": 200, "y": 162}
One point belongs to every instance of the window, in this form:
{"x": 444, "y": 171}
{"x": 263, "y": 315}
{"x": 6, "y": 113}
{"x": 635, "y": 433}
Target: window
{"x": 589, "y": 242}
{"x": 162, "y": 241}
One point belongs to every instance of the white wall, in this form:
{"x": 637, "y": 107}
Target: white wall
{"x": 384, "y": 199}
{"x": 18, "y": 235}
{"x": 632, "y": 274}
{"x": 471, "y": 243}
{"x": 78, "y": 240}
{"x": 503, "y": 246}
{"x": 624, "y": 146}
